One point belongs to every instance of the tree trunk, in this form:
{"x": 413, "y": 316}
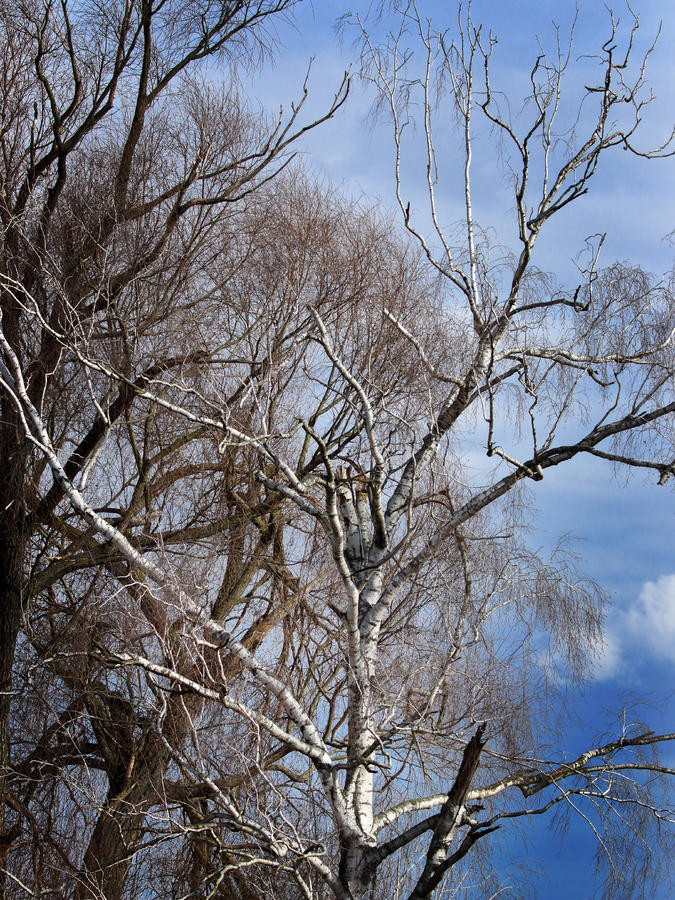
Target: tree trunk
{"x": 135, "y": 784}
{"x": 109, "y": 854}
{"x": 12, "y": 551}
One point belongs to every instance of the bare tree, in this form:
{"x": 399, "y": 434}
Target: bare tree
{"x": 266, "y": 632}
{"x": 122, "y": 169}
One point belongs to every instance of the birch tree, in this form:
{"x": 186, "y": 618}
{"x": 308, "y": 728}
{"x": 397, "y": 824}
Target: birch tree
{"x": 275, "y": 633}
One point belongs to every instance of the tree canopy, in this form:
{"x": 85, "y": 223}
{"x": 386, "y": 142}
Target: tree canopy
{"x": 271, "y": 624}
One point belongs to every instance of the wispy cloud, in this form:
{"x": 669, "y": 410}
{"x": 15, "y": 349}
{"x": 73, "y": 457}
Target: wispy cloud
{"x": 607, "y": 662}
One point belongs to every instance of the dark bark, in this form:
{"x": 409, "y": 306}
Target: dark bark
{"x": 12, "y": 552}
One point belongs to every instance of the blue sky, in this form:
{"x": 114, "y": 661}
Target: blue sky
{"x": 625, "y": 533}
{"x": 640, "y": 194}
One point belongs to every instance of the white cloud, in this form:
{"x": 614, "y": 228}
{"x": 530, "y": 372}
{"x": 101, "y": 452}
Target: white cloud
{"x": 652, "y": 619}
{"x": 608, "y": 657}
{"x": 645, "y": 630}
